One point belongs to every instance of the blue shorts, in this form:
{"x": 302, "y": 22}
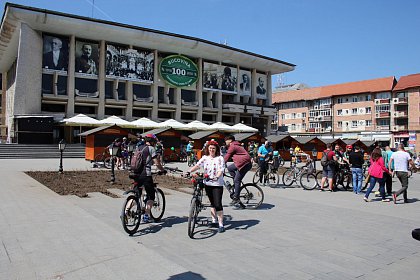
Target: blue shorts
{"x": 328, "y": 172}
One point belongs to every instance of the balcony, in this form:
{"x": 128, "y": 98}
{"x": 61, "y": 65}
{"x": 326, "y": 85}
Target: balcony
{"x": 381, "y": 101}
{"x": 311, "y": 130}
{"x": 400, "y": 101}
{"x": 382, "y": 127}
{"x": 380, "y": 115}
{"x": 325, "y": 118}
{"x": 400, "y": 114}
{"x": 399, "y": 128}
{"x": 325, "y": 106}
{"x": 233, "y": 108}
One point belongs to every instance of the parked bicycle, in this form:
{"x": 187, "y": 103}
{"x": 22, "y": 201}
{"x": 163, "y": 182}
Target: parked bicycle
{"x": 251, "y": 196}
{"x": 305, "y": 176}
{"x": 135, "y": 204}
{"x": 271, "y": 178}
{"x": 103, "y": 159}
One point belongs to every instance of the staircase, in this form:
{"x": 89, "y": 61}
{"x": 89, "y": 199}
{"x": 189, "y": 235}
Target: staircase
{"x": 15, "y": 151}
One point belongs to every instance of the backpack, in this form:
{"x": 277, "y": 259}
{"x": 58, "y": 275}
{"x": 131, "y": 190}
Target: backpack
{"x": 138, "y": 163}
{"x": 324, "y": 160}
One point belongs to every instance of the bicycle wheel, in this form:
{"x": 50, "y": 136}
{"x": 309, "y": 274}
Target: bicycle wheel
{"x": 288, "y": 177}
{"x": 131, "y": 214}
{"x": 348, "y": 182}
{"x": 256, "y": 178}
{"x": 308, "y": 181}
{"x": 273, "y": 179}
{"x": 158, "y": 208}
{"x": 192, "y": 217}
{"x": 251, "y": 196}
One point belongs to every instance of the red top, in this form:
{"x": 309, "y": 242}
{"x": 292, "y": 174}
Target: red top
{"x": 377, "y": 168}
{"x": 330, "y": 154}
{"x": 239, "y": 155}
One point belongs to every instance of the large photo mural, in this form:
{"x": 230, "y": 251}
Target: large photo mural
{"x": 219, "y": 77}
{"x": 55, "y": 53}
{"x": 130, "y": 64}
{"x": 87, "y": 57}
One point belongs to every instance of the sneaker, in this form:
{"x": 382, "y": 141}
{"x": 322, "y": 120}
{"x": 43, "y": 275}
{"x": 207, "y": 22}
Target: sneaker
{"x": 214, "y": 224}
{"x": 321, "y": 189}
{"x": 386, "y": 200}
{"x": 221, "y": 229}
{"x": 146, "y": 219}
{"x": 394, "y": 198}
{"x": 234, "y": 201}
{"x": 366, "y": 199}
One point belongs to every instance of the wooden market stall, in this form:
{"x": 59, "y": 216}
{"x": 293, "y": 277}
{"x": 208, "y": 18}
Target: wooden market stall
{"x": 247, "y": 137}
{"x": 99, "y": 138}
{"x": 201, "y": 137}
{"x": 172, "y": 141}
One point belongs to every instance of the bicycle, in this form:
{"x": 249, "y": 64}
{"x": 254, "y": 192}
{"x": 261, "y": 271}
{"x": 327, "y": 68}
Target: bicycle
{"x": 294, "y": 173}
{"x": 270, "y": 178}
{"x": 251, "y": 196}
{"x": 134, "y": 206}
{"x": 103, "y": 159}
{"x": 196, "y": 205}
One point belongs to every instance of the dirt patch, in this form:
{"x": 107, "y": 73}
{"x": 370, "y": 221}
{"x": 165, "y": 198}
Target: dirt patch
{"x": 82, "y": 182}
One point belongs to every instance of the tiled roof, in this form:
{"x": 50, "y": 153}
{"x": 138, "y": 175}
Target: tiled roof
{"x": 406, "y": 82}
{"x": 375, "y": 85}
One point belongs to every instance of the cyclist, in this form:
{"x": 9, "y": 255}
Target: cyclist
{"x": 346, "y": 154}
{"x": 189, "y": 148}
{"x": 145, "y": 178}
{"x": 213, "y": 165}
{"x": 264, "y": 152}
{"x": 159, "y": 151}
{"x": 241, "y": 164}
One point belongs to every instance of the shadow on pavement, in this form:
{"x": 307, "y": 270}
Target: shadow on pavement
{"x": 164, "y": 223}
{"x": 187, "y": 276}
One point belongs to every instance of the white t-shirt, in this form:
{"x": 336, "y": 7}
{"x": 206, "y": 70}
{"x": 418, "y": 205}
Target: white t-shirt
{"x": 211, "y": 167}
{"x": 400, "y": 159}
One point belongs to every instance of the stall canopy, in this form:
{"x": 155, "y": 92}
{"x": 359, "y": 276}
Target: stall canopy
{"x": 222, "y": 127}
{"x": 145, "y": 123}
{"x": 338, "y": 141}
{"x": 171, "y": 123}
{"x": 81, "y": 120}
{"x": 248, "y": 137}
{"x": 117, "y": 121}
{"x": 197, "y": 125}
{"x": 240, "y": 127}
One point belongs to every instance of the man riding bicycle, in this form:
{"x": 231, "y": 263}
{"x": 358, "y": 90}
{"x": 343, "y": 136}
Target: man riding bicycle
{"x": 241, "y": 164}
{"x": 145, "y": 178}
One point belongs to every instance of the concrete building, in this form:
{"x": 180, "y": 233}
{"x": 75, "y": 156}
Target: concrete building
{"x": 382, "y": 109}
{"x": 58, "y": 65}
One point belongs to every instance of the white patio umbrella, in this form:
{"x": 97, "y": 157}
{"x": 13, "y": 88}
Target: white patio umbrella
{"x": 80, "y": 120}
{"x": 244, "y": 128}
{"x": 197, "y": 125}
{"x": 222, "y": 126}
{"x": 172, "y": 123}
{"x": 145, "y": 123}
{"x": 116, "y": 120}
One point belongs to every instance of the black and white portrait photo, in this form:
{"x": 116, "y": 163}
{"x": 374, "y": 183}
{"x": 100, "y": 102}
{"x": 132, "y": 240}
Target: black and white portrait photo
{"x": 86, "y": 58}
{"x": 245, "y": 83}
{"x": 219, "y": 77}
{"x": 55, "y": 53}
{"x": 261, "y": 86}
{"x": 130, "y": 64}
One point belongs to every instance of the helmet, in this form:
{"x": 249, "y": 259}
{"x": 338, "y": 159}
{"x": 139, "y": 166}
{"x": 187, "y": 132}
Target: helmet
{"x": 150, "y": 138}
{"x": 349, "y": 147}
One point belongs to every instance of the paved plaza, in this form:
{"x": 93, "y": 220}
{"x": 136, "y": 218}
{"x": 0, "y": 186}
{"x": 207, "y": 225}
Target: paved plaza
{"x": 296, "y": 234}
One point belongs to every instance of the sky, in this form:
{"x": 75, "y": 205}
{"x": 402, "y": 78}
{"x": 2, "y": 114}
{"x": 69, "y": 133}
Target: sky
{"x": 329, "y": 41}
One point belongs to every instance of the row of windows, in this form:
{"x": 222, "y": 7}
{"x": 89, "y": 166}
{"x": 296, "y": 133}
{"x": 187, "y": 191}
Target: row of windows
{"x": 354, "y": 111}
{"x": 362, "y": 123}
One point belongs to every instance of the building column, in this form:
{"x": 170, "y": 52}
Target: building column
{"x": 254, "y": 84}
{"x": 101, "y": 80}
{"x": 70, "y": 77}
{"x": 199, "y": 87}
{"x": 269, "y": 101}
{"x": 219, "y": 106}
{"x": 130, "y": 100}
{"x": 155, "y": 87}
{"x": 178, "y": 104}
{"x": 236, "y": 97}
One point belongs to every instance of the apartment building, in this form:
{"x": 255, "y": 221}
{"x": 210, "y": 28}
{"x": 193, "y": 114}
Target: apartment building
{"x": 380, "y": 109}
{"x": 58, "y": 65}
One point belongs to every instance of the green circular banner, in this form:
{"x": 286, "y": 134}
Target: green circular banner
{"x": 178, "y": 70}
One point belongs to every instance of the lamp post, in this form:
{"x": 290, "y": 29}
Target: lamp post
{"x": 61, "y": 147}
{"x": 314, "y": 154}
{"x": 113, "y": 149}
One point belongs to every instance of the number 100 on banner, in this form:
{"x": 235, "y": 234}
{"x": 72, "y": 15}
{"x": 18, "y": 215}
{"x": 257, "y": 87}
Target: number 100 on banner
{"x": 178, "y": 70}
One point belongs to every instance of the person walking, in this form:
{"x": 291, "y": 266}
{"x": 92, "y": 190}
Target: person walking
{"x": 240, "y": 166}
{"x": 356, "y": 160}
{"x": 213, "y": 166}
{"x": 386, "y": 154}
{"x": 376, "y": 172}
{"x": 401, "y": 159}
{"x": 264, "y": 151}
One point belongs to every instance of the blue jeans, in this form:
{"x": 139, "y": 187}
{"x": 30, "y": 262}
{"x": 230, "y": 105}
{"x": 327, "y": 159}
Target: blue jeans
{"x": 373, "y": 181}
{"x": 357, "y": 175}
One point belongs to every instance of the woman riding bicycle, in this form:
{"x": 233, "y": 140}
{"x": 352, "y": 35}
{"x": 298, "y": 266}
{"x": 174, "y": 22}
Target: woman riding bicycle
{"x": 213, "y": 165}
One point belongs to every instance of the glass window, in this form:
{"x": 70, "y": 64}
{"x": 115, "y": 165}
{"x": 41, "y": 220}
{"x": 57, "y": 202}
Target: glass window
{"x": 189, "y": 95}
{"x": 165, "y": 115}
{"x": 56, "y": 108}
{"x": 293, "y": 115}
{"x": 354, "y": 111}
{"x": 340, "y": 100}
{"x": 368, "y": 122}
{"x": 354, "y": 124}
{"x": 340, "y": 124}
{"x": 340, "y": 112}
{"x": 354, "y": 98}
{"x": 303, "y": 115}
{"x": 86, "y": 87}
{"x": 62, "y": 85}
{"x": 141, "y": 91}
{"x": 114, "y": 111}
{"x": 188, "y": 116}
{"x": 368, "y": 97}
{"x": 382, "y": 108}
{"x": 47, "y": 84}
{"x": 161, "y": 92}
{"x": 87, "y": 110}
{"x": 282, "y": 116}
{"x": 141, "y": 113}
{"x": 368, "y": 110}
